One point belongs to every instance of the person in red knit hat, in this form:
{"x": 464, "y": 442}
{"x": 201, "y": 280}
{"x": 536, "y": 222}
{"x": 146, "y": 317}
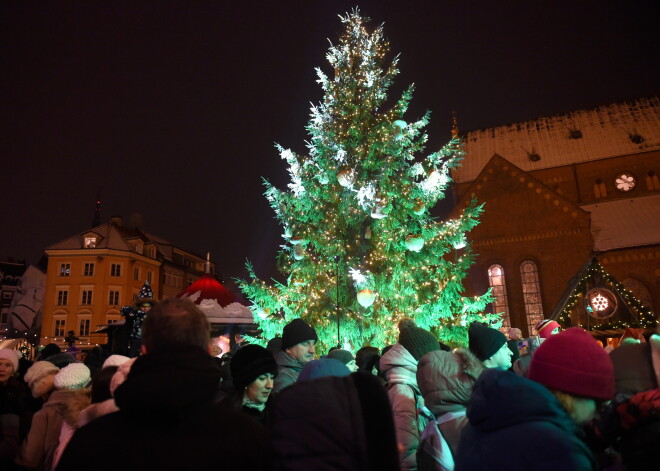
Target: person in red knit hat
{"x": 546, "y": 328}
{"x": 540, "y": 415}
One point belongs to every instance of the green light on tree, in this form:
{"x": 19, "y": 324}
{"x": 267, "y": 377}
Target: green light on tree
{"x": 360, "y": 247}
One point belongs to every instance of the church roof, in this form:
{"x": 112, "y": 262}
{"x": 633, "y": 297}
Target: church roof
{"x": 580, "y": 136}
{"x": 218, "y": 303}
{"x": 625, "y": 223}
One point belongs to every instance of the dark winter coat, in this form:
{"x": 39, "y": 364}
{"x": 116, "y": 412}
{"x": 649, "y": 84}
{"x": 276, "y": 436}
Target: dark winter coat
{"x": 288, "y": 370}
{"x": 168, "y": 420}
{"x": 517, "y": 424}
{"x": 333, "y": 423}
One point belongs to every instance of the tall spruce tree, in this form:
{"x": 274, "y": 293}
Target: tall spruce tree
{"x": 360, "y": 247}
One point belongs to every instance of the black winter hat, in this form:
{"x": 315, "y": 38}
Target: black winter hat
{"x": 297, "y": 331}
{"x": 416, "y": 340}
{"x": 484, "y": 341}
{"x": 342, "y": 355}
{"x": 250, "y": 362}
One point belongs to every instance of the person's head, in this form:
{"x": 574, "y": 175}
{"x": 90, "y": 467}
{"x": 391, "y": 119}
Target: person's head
{"x": 40, "y": 378}
{"x": 101, "y": 384}
{"x": 489, "y": 345}
{"x": 367, "y": 360}
{"x": 547, "y": 327}
{"x": 321, "y": 368}
{"x": 345, "y": 357}
{"x": 299, "y": 340}
{"x": 253, "y": 370}
{"x": 8, "y": 364}
{"x": 73, "y": 376}
{"x": 175, "y": 321}
{"x": 416, "y": 340}
{"x": 576, "y": 369}
{"x": 515, "y": 334}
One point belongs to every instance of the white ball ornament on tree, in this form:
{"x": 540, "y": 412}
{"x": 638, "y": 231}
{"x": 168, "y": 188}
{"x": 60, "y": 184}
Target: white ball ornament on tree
{"x": 366, "y": 297}
{"x": 298, "y": 252}
{"x": 297, "y": 240}
{"x": 419, "y": 208}
{"x": 399, "y": 127}
{"x": 346, "y": 177}
{"x": 414, "y": 243}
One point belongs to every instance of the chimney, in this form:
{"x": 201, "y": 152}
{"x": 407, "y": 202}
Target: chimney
{"x": 116, "y": 220}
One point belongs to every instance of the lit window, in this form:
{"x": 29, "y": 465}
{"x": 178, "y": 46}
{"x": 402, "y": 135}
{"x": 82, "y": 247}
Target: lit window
{"x": 60, "y": 324}
{"x": 498, "y": 285}
{"x": 90, "y": 242}
{"x": 65, "y": 269}
{"x": 88, "y": 269}
{"x": 599, "y": 189}
{"x": 115, "y": 269}
{"x": 531, "y": 294}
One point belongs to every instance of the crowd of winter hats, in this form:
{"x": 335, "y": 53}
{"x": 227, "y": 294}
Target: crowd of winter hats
{"x": 248, "y": 363}
{"x": 295, "y": 332}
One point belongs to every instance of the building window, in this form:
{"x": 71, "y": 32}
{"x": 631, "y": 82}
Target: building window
{"x": 152, "y": 252}
{"x": 90, "y": 242}
{"x": 113, "y": 298}
{"x": 115, "y": 269}
{"x": 599, "y": 189}
{"x": 84, "y": 326}
{"x": 60, "y": 324}
{"x": 136, "y": 273}
{"x": 138, "y": 248}
{"x": 86, "y": 297}
{"x": 62, "y": 297}
{"x": 652, "y": 181}
{"x": 88, "y": 269}
{"x": 532, "y": 294}
{"x": 65, "y": 269}
{"x": 149, "y": 275}
{"x": 500, "y": 302}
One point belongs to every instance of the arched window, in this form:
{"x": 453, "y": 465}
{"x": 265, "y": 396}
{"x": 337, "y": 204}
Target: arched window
{"x": 531, "y": 288}
{"x": 599, "y": 189}
{"x": 652, "y": 181}
{"x": 500, "y": 303}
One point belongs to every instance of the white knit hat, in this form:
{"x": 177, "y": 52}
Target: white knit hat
{"x": 9, "y": 354}
{"x": 115, "y": 360}
{"x": 73, "y": 376}
{"x": 39, "y": 370}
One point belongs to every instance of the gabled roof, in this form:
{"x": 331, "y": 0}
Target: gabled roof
{"x": 604, "y": 132}
{"x": 625, "y": 223}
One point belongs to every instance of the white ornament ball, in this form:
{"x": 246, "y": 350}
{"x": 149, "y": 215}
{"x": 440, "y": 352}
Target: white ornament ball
{"x": 419, "y": 208}
{"x": 414, "y": 243}
{"x": 346, "y": 177}
{"x": 297, "y": 240}
{"x": 366, "y": 297}
{"x": 298, "y": 252}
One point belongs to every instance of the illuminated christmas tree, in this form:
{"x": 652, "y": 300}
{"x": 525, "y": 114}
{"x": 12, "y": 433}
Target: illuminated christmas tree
{"x": 361, "y": 248}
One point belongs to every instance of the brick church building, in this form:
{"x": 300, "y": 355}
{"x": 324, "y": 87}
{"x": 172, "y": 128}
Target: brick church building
{"x": 557, "y": 192}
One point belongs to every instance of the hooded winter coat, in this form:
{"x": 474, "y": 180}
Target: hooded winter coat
{"x": 400, "y": 369}
{"x": 508, "y": 410}
{"x": 167, "y": 420}
{"x": 446, "y": 380}
{"x": 288, "y": 370}
{"x": 39, "y": 446}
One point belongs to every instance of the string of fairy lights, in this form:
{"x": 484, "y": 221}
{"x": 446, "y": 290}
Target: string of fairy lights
{"x": 642, "y": 316}
{"x": 358, "y": 236}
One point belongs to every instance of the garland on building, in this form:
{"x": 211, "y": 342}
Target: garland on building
{"x": 361, "y": 249}
{"x": 643, "y": 316}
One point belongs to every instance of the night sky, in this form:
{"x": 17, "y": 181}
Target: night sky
{"x": 171, "y": 109}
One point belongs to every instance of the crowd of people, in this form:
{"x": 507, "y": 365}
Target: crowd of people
{"x": 555, "y": 401}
